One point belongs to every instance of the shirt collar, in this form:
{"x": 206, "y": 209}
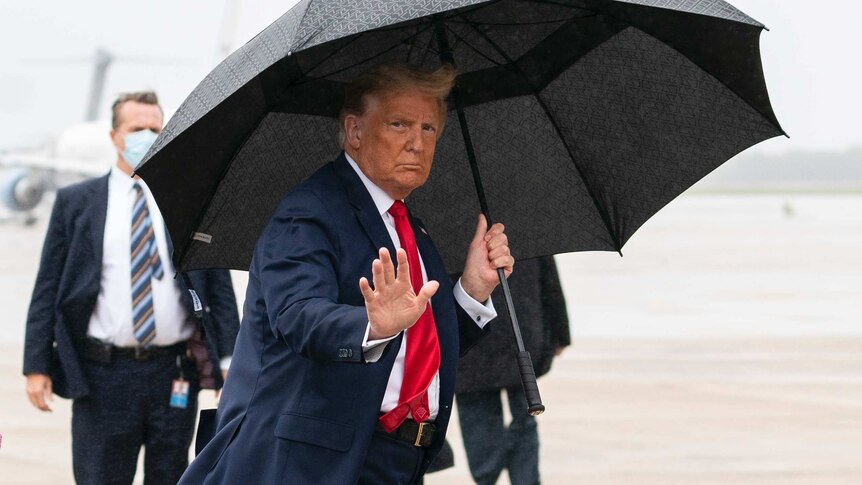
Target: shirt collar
{"x": 121, "y": 180}
{"x": 381, "y": 199}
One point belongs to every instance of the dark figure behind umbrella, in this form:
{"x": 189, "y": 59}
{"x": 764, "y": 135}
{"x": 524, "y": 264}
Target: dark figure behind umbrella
{"x": 483, "y": 373}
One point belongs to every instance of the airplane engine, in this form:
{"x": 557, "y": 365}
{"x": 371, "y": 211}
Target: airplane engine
{"x": 23, "y": 189}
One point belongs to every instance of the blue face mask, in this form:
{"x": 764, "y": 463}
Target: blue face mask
{"x": 137, "y": 144}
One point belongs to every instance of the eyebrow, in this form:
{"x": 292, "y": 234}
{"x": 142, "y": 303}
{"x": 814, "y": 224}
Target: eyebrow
{"x": 140, "y": 128}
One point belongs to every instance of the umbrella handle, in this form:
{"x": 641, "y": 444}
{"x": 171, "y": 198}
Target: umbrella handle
{"x": 531, "y": 387}
{"x": 525, "y": 363}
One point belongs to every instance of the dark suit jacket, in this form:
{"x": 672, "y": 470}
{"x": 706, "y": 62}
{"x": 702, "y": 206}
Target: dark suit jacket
{"x": 301, "y": 404}
{"x": 68, "y": 284}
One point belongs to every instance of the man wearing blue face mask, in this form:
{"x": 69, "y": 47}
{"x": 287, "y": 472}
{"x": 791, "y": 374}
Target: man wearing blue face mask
{"x": 110, "y": 327}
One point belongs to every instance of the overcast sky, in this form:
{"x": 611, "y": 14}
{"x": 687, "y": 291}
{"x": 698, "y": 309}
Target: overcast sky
{"x": 170, "y": 45}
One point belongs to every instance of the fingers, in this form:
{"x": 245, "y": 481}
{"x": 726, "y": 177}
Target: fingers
{"x": 427, "y": 291}
{"x": 507, "y": 263}
{"x": 366, "y": 290}
{"x": 496, "y": 238}
{"x": 388, "y": 267}
{"x": 497, "y": 244}
{"x": 383, "y": 274}
{"x": 500, "y": 254}
{"x": 34, "y": 400}
{"x": 403, "y": 276}
{"x": 377, "y": 274}
{"x": 37, "y": 397}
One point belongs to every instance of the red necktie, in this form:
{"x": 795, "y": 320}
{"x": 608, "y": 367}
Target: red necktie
{"x": 423, "y": 350}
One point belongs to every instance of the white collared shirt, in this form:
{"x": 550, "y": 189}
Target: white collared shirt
{"x": 478, "y": 312}
{"x": 111, "y": 320}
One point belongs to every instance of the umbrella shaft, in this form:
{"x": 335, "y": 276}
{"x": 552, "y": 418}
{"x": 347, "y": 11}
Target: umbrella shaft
{"x": 525, "y": 364}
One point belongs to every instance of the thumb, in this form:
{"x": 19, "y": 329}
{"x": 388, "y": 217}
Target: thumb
{"x": 49, "y": 391}
{"x": 428, "y": 290}
{"x": 481, "y": 229}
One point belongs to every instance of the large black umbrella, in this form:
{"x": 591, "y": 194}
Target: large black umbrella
{"x": 576, "y": 120}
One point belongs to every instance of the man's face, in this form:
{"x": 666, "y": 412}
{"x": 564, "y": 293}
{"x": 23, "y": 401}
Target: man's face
{"x": 134, "y": 117}
{"x": 393, "y": 142}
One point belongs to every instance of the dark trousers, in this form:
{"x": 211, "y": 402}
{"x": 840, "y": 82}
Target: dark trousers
{"x": 129, "y": 407}
{"x": 491, "y": 445}
{"x": 391, "y": 462}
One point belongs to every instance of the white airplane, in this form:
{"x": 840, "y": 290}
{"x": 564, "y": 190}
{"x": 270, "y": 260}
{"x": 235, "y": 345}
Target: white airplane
{"x": 81, "y": 151}
{"x": 84, "y": 150}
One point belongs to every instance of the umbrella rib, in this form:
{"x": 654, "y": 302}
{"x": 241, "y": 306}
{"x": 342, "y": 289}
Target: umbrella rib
{"x": 474, "y": 48}
{"x": 428, "y": 49}
{"x": 299, "y": 24}
{"x": 600, "y": 207}
{"x": 351, "y": 41}
{"x": 378, "y": 54}
{"x": 412, "y": 44}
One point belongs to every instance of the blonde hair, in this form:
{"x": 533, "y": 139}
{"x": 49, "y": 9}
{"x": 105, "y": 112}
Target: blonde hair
{"x": 385, "y": 79}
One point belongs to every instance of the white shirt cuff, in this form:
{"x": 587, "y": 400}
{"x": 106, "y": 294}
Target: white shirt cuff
{"x": 373, "y": 349}
{"x": 481, "y": 313}
{"x": 224, "y": 363}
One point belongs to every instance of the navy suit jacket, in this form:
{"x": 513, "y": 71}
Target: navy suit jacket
{"x": 300, "y": 404}
{"x": 68, "y": 284}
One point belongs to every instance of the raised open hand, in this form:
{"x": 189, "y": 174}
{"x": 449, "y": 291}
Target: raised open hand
{"x": 392, "y": 305}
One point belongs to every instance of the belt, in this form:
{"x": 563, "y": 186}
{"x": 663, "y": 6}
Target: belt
{"x": 105, "y": 353}
{"x": 417, "y": 434}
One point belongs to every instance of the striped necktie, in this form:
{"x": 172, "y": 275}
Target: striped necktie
{"x": 146, "y": 265}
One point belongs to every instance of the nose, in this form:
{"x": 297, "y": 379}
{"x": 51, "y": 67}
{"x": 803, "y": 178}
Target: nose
{"x": 416, "y": 143}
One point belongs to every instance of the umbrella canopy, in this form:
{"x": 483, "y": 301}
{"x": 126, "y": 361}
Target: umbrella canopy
{"x": 586, "y": 116}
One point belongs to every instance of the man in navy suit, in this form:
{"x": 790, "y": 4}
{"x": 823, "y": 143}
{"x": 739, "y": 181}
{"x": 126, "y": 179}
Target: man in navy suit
{"x": 109, "y": 326}
{"x": 342, "y": 373}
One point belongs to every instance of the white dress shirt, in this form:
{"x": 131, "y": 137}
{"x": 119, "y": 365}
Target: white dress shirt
{"x": 478, "y": 312}
{"x": 111, "y": 321}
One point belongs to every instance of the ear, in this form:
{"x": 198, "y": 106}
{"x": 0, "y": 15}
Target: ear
{"x": 353, "y": 129}
{"x": 118, "y": 141}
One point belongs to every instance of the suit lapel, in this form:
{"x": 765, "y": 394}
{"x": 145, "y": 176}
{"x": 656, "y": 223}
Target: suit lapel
{"x": 363, "y": 205}
{"x": 96, "y": 216}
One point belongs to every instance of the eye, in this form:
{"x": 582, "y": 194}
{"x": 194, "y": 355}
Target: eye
{"x": 396, "y": 124}
{"x": 429, "y": 128}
